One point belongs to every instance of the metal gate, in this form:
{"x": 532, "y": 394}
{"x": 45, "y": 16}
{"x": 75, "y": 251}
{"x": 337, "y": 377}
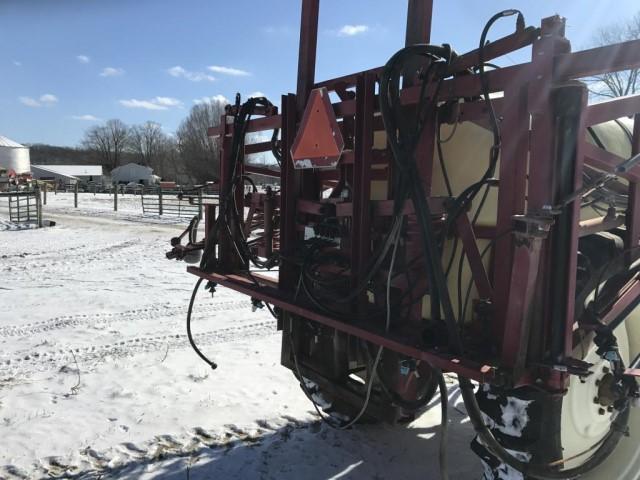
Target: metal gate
{"x": 24, "y": 207}
{"x": 171, "y": 202}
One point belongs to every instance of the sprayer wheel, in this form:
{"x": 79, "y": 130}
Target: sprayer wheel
{"x": 540, "y": 428}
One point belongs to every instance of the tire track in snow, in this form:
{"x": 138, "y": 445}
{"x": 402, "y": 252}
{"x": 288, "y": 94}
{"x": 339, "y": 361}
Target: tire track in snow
{"x": 34, "y": 267}
{"x": 90, "y": 356}
{"x": 6, "y": 258}
{"x": 106, "y": 319}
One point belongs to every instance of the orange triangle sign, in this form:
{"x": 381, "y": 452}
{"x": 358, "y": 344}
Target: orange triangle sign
{"x": 319, "y": 142}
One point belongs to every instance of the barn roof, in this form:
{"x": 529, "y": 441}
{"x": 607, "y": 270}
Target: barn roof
{"x": 131, "y": 166}
{"x": 72, "y": 170}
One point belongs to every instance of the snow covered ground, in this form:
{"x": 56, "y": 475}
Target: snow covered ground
{"x": 97, "y": 379}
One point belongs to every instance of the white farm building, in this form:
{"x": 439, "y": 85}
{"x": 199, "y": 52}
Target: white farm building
{"x": 68, "y": 173}
{"x": 14, "y": 156}
{"x": 132, "y": 172}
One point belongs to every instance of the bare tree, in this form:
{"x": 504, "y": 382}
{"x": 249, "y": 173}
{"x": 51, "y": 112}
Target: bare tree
{"x": 168, "y": 163}
{"x": 623, "y": 83}
{"x": 119, "y": 135}
{"x": 147, "y": 142}
{"x": 96, "y": 139}
{"x": 109, "y": 140}
{"x": 199, "y": 152}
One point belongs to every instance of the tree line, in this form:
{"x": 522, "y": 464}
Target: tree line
{"x": 188, "y": 156}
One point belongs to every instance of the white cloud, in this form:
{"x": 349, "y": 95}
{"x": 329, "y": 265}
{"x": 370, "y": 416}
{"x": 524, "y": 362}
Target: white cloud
{"x": 29, "y": 102}
{"x": 168, "y": 101}
{"x": 112, "y": 72}
{"x": 86, "y": 118}
{"x": 235, "y": 72}
{"x": 157, "y": 103}
{"x": 351, "y": 30}
{"x": 83, "y": 58}
{"x": 45, "y": 100}
{"x": 17, "y": 63}
{"x": 48, "y": 99}
{"x": 216, "y": 98}
{"x": 180, "y": 72}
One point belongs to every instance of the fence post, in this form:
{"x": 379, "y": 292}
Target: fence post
{"x": 28, "y": 206}
{"x": 75, "y": 195}
{"x": 159, "y": 200}
{"x": 115, "y": 197}
{"x": 199, "y": 204}
{"x": 39, "y": 204}
{"x": 46, "y": 187}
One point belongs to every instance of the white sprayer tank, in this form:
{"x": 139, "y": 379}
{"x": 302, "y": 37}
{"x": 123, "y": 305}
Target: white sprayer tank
{"x": 14, "y": 156}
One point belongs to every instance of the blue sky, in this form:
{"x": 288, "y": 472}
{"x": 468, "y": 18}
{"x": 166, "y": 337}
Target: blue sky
{"x": 67, "y": 64}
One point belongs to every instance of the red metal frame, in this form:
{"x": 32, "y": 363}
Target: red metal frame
{"x": 517, "y": 282}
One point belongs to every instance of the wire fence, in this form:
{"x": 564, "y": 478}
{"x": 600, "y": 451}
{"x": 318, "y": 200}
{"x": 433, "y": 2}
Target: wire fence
{"x": 176, "y": 202}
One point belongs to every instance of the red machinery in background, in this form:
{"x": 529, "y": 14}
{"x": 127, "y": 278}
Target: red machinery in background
{"x": 527, "y": 215}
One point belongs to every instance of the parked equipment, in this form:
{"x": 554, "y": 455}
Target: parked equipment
{"x": 439, "y": 214}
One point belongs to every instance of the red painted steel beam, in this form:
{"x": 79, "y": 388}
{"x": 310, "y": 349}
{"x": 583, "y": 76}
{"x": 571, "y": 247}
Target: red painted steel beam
{"x": 379, "y": 208}
{"x": 575, "y": 207}
{"x": 626, "y": 298}
{"x": 334, "y": 174}
{"x": 511, "y": 195}
{"x": 268, "y": 172}
{"x": 521, "y": 309}
{"x": 361, "y": 214}
{"x": 613, "y": 109}
{"x": 633, "y": 207}
{"x": 474, "y": 111}
{"x": 470, "y": 248}
{"x": 344, "y": 108}
{"x": 498, "y": 79}
{"x": 256, "y": 125}
{"x": 288, "y": 193}
{"x": 257, "y": 148}
{"x": 496, "y": 49}
{"x": 419, "y": 16}
{"x": 532, "y": 265}
{"x": 586, "y": 63}
{"x": 307, "y": 52}
{"x": 378, "y": 157}
{"x": 470, "y": 86}
{"x": 607, "y": 161}
{"x": 467, "y": 368}
{"x": 469, "y": 111}
{"x": 346, "y": 81}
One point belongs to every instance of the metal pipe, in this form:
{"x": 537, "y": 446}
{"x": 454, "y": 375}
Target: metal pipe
{"x": 419, "y": 15}
{"x": 307, "y": 52}
{"x": 568, "y": 101}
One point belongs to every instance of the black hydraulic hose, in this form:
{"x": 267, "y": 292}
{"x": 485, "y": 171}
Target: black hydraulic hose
{"x": 228, "y": 207}
{"x": 437, "y": 277}
{"x": 467, "y": 196}
{"x": 618, "y": 427}
{"x": 444, "y": 427}
{"x": 211, "y": 363}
